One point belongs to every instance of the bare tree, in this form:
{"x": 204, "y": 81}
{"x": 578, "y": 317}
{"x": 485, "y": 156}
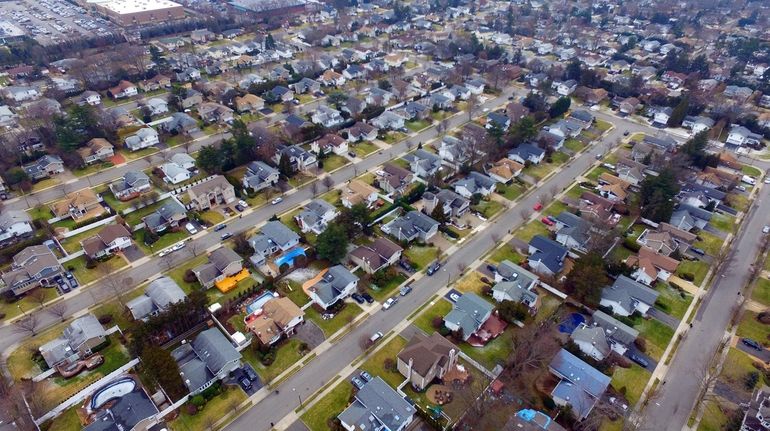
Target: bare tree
{"x": 524, "y": 213}
{"x": 495, "y": 237}
{"x": 167, "y": 261}
{"x": 533, "y": 347}
{"x": 409, "y": 144}
{"x": 58, "y": 309}
{"x": 314, "y": 188}
{"x": 473, "y": 104}
{"x": 328, "y": 182}
{"x": 38, "y": 295}
{"x": 27, "y": 324}
{"x": 117, "y": 283}
{"x": 444, "y": 125}
{"x": 194, "y": 247}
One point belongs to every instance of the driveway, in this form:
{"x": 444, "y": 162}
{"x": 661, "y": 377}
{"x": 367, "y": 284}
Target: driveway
{"x": 632, "y": 350}
{"x": 763, "y": 354}
{"x": 133, "y": 253}
{"x": 311, "y": 334}
{"x": 670, "y": 321}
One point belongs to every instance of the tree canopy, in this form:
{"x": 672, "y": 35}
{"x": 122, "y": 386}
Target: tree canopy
{"x": 587, "y": 278}
{"x": 332, "y": 243}
{"x": 657, "y": 195}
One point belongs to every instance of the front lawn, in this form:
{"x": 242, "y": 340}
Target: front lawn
{"x": 392, "y": 137}
{"x": 751, "y": 171}
{"x": 331, "y": 326}
{"x": 672, "y": 301}
{"x": 657, "y": 334}
{"x": 85, "y": 275}
{"x": 630, "y": 382}
{"x": 424, "y": 321}
{"x": 177, "y": 274}
{"x": 44, "y": 184}
{"x": 212, "y": 218}
{"x": 596, "y": 172}
{"x": 488, "y": 208}
{"x": 421, "y": 257}
{"x": 574, "y": 145}
{"x": 697, "y": 268}
{"x": 332, "y": 162}
{"x": 714, "y": 419}
{"x": 761, "y": 292}
{"x": 723, "y": 222}
{"x": 364, "y": 148}
{"x": 135, "y": 217}
{"x": 25, "y": 304}
{"x": 539, "y": 171}
{"x": 505, "y": 252}
{"x": 165, "y": 240}
{"x": 556, "y": 208}
{"x": 215, "y": 409}
{"x": 417, "y": 125}
{"x": 72, "y": 244}
{"x": 385, "y": 291}
{"x": 710, "y": 243}
{"x": 375, "y": 365}
{"x": 509, "y": 191}
{"x": 737, "y": 201}
{"x": 575, "y": 192}
{"x": 300, "y": 179}
{"x": 471, "y": 282}
{"x": 750, "y": 327}
{"x": 316, "y": 418}
{"x": 559, "y": 158}
{"x": 286, "y": 355}
{"x": 529, "y": 230}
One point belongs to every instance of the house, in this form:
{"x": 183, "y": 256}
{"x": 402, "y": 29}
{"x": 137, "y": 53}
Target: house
{"x": 122, "y": 90}
{"x": 438, "y": 101}
{"x": 457, "y": 92}
{"x": 353, "y": 71}
{"x": 414, "y": 111}
{"x": 156, "y": 106}
{"x": 277, "y": 318}
{"x": 452, "y": 203}
{"x": 527, "y": 153}
{"x": 757, "y": 417}
{"x": 741, "y": 136}
{"x": 44, "y": 167}
{"x": 592, "y": 341}
{"x": 300, "y": 159}
{"x": 468, "y": 314}
{"x": 423, "y": 164}
{"x": 32, "y": 267}
{"x": 183, "y": 160}
{"x": 629, "y": 105}
{"x": 425, "y": 359}
{"x": 378, "y": 97}
{"x": 514, "y": 283}
{"x": 223, "y": 262}
{"x": 90, "y": 98}
{"x": 389, "y": 120}
{"x": 666, "y": 239}
{"x": 565, "y": 88}
{"x": 19, "y": 93}
{"x": 14, "y": 224}
{"x": 133, "y": 184}
{"x": 505, "y": 170}
{"x": 209, "y": 358}
{"x": 188, "y": 74}
{"x": 358, "y": 192}
{"x": 476, "y": 86}
{"x": 630, "y": 171}
{"x": 546, "y": 256}
{"x": 580, "y": 385}
{"x": 612, "y": 187}
{"x": 572, "y": 231}
{"x": 516, "y": 111}
{"x": 77, "y": 341}
{"x": 331, "y": 78}
{"x": 687, "y": 217}
{"x": 362, "y": 132}
{"x": 155, "y": 83}
{"x": 626, "y": 296}
{"x": 336, "y": 284}
{"x": 499, "y": 120}
{"x": 619, "y": 335}
{"x": 661, "y": 116}
{"x": 665, "y": 144}
{"x": 159, "y": 295}
{"x": 78, "y": 205}
{"x": 191, "y": 98}
{"x": 143, "y": 138}
{"x": 174, "y": 174}
{"x": 394, "y": 179}
{"x": 111, "y": 239}
{"x": 651, "y": 266}
{"x": 475, "y": 183}
{"x": 455, "y": 151}
{"x": 273, "y": 238}
{"x": 211, "y": 112}
{"x": 531, "y": 420}
{"x": 378, "y": 255}
{"x": 96, "y": 150}
{"x": 128, "y": 411}
{"x": 326, "y": 116}
{"x": 249, "y": 103}
{"x": 566, "y": 128}
{"x": 412, "y": 225}
{"x": 259, "y": 175}
{"x": 179, "y": 123}
{"x": 211, "y": 193}
{"x": 330, "y": 143}
{"x": 377, "y": 406}
{"x": 170, "y": 215}
{"x": 698, "y": 124}
{"x": 316, "y": 216}
{"x": 281, "y": 94}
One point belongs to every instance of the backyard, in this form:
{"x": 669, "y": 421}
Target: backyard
{"x": 630, "y": 382}
{"x": 330, "y": 326}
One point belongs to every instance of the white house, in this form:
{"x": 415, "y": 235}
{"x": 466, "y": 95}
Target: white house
{"x": 14, "y": 224}
{"x": 627, "y": 296}
{"x": 143, "y": 138}
{"x": 335, "y": 284}
{"x": 174, "y": 174}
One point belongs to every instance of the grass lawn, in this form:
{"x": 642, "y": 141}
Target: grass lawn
{"x": 714, "y": 419}
{"x": 723, "y": 222}
{"x": 596, "y": 172}
{"x": 305, "y": 98}
{"x": 736, "y": 366}
{"x": 630, "y": 381}
{"x": 548, "y": 306}
{"x": 608, "y": 425}
{"x": 67, "y": 421}
{"x": 575, "y": 191}
{"x": 177, "y": 274}
{"x": 697, "y": 268}
{"x": 212, "y": 218}
{"x": 709, "y": 243}
{"x": 26, "y": 303}
{"x": 114, "y": 202}
{"x": 602, "y": 125}
{"x": 333, "y": 162}
{"x": 135, "y": 217}
{"x": 85, "y": 275}
{"x": 421, "y": 257}
{"x": 66, "y": 223}
{"x": 529, "y": 230}
{"x": 751, "y": 171}
{"x": 509, "y": 191}
{"x": 392, "y": 137}
{"x": 752, "y": 328}
{"x": 738, "y": 201}
{"x": 506, "y": 252}
{"x": 293, "y": 290}
{"x": 573, "y": 144}
{"x": 286, "y": 355}
{"x": 417, "y": 125}
{"x": 375, "y": 365}
{"x": 383, "y": 292}
{"x": 165, "y": 240}
{"x": 92, "y": 169}
{"x": 20, "y": 364}
{"x": 471, "y": 282}
{"x": 72, "y": 244}
{"x": 300, "y": 179}
{"x": 671, "y": 301}
{"x": 657, "y": 334}
{"x": 538, "y": 171}
{"x": 328, "y": 407}
{"x": 559, "y": 158}
{"x": 215, "y": 409}
{"x": 440, "y": 115}
{"x": 364, "y": 148}
{"x": 761, "y": 292}
{"x": 495, "y": 352}
{"x": 424, "y": 321}
{"x": 556, "y": 208}
{"x": 488, "y": 208}
{"x": 119, "y": 313}
{"x": 331, "y": 326}
{"x": 40, "y": 212}
{"x": 133, "y": 155}
{"x": 44, "y": 184}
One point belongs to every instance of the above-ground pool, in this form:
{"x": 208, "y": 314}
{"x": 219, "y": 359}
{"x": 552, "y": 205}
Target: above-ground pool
{"x": 259, "y": 302}
{"x": 288, "y": 257}
{"x": 111, "y": 391}
{"x": 571, "y": 323}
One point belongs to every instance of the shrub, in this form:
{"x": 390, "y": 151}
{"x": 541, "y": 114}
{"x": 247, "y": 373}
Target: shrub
{"x": 191, "y": 409}
{"x": 91, "y": 263}
{"x": 437, "y": 322}
{"x": 641, "y": 344}
{"x": 764, "y": 317}
{"x": 631, "y": 244}
{"x": 751, "y": 380}
{"x": 198, "y": 401}
{"x": 389, "y": 364}
{"x": 486, "y": 290}
{"x": 689, "y": 276}
{"x": 105, "y": 319}
{"x": 268, "y": 358}
{"x": 189, "y": 276}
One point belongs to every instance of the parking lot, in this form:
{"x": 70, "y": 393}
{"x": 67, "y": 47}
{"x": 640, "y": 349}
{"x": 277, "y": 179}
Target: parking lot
{"x": 53, "y": 21}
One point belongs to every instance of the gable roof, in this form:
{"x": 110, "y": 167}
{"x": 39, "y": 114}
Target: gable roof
{"x": 548, "y": 252}
{"x": 469, "y": 313}
{"x": 626, "y": 290}
{"x": 614, "y": 328}
{"x": 426, "y": 351}
{"x": 214, "y": 349}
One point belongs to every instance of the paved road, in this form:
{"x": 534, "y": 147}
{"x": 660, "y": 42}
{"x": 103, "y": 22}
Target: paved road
{"x": 321, "y": 370}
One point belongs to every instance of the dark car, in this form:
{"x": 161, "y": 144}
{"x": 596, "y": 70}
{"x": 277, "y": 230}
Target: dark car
{"x": 357, "y": 382}
{"x": 405, "y": 290}
{"x": 367, "y": 297}
{"x": 698, "y": 251}
{"x": 64, "y": 288}
{"x": 245, "y": 383}
{"x": 358, "y": 298}
{"x": 434, "y": 267}
{"x": 492, "y": 268}
{"x": 73, "y": 283}
{"x": 250, "y": 374}
{"x": 220, "y": 227}
{"x": 226, "y": 235}
{"x": 625, "y": 133}
{"x": 751, "y": 343}
{"x": 406, "y": 265}
{"x": 639, "y": 360}
{"x": 239, "y": 208}
{"x": 352, "y": 154}
{"x": 69, "y": 275}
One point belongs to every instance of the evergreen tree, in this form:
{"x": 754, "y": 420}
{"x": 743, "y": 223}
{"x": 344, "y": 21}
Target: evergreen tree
{"x": 657, "y": 195}
{"x": 679, "y": 112}
{"x": 332, "y": 243}
{"x": 284, "y": 166}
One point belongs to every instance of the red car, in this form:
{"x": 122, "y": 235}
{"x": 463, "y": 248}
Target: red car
{"x": 547, "y": 221}
{"x": 538, "y": 206}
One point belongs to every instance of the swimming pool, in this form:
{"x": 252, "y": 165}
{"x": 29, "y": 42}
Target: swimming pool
{"x": 111, "y": 391}
{"x": 259, "y": 302}
{"x": 288, "y": 257}
{"x": 571, "y": 323}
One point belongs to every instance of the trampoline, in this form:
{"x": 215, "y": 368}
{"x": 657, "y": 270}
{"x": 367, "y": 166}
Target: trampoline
{"x": 571, "y": 323}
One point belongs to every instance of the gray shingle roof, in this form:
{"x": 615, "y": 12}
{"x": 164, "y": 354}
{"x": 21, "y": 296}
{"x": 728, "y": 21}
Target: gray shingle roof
{"x": 214, "y": 349}
{"x": 625, "y": 291}
{"x": 614, "y": 328}
{"x": 378, "y": 406}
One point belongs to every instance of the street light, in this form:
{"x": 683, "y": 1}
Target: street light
{"x": 299, "y": 396}
{"x": 21, "y": 309}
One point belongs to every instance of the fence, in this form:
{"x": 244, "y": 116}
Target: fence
{"x": 95, "y": 224}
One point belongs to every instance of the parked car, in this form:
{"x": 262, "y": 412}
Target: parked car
{"x": 698, "y": 251}
{"x": 389, "y": 303}
{"x": 74, "y": 283}
{"x": 64, "y": 288}
{"x": 251, "y": 374}
{"x": 358, "y": 298}
{"x": 625, "y": 133}
{"x": 245, "y": 383}
{"x": 766, "y": 229}
{"x": 492, "y": 268}
{"x": 546, "y": 221}
{"x": 226, "y": 235}
{"x": 367, "y": 297}
{"x": 219, "y": 227}
{"x": 740, "y": 188}
{"x": 243, "y": 203}
{"x": 358, "y": 383}
{"x": 767, "y": 179}
{"x": 639, "y": 360}
{"x": 403, "y": 263}
{"x": 405, "y": 290}
{"x": 352, "y": 154}
{"x": 538, "y": 206}
{"x": 191, "y": 228}
{"x": 376, "y": 336}
{"x": 239, "y": 208}
{"x": 434, "y": 267}
{"x": 69, "y": 275}
{"x": 276, "y": 201}
{"x": 365, "y": 376}
{"x": 751, "y": 343}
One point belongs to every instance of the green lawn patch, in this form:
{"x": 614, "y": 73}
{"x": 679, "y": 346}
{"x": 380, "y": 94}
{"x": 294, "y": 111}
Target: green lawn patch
{"x": 761, "y": 292}
{"x": 364, "y": 148}
{"x": 672, "y": 301}
{"x": 556, "y": 208}
{"x": 40, "y": 212}
{"x": 425, "y": 320}
{"x": 218, "y": 407}
{"x": 287, "y": 354}
{"x": 574, "y": 145}
{"x": 164, "y": 241}
{"x": 375, "y": 365}
{"x": 299, "y": 179}
{"x": 559, "y": 158}
{"x": 602, "y": 125}
{"x": 332, "y": 162}
{"x": 383, "y": 292}
{"x": 85, "y": 275}
{"x": 505, "y": 252}
{"x": 710, "y": 243}
{"x": 92, "y": 169}
{"x": 697, "y": 268}
{"x": 751, "y": 171}
{"x": 417, "y": 125}
{"x": 529, "y": 230}
{"x": 714, "y": 419}
{"x": 139, "y": 154}
{"x": 723, "y": 222}
{"x": 510, "y": 191}
{"x": 392, "y": 137}
{"x": 331, "y": 326}
{"x": 293, "y": 290}
{"x": 72, "y": 244}
{"x": 135, "y": 217}
{"x": 212, "y": 218}
{"x": 737, "y": 201}
{"x": 67, "y": 421}
{"x": 471, "y": 282}
{"x": 488, "y": 208}
{"x": 26, "y": 303}
{"x": 575, "y": 192}
{"x": 657, "y": 334}
{"x": 538, "y": 171}
{"x": 737, "y": 365}
{"x": 20, "y": 363}
{"x": 494, "y": 352}
{"x": 328, "y": 407}
{"x": 44, "y": 184}
{"x": 630, "y": 381}
{"x": 177, "y": 274}
{"x": 421, "y": 257}
{"x": 750, "y": 327}
{"x": 114, "y": 203}
{"x": 596, "y": 172}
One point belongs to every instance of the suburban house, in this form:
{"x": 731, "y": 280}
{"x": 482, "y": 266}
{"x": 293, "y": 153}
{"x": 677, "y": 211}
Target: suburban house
{"x": 316, "y": 216}
{"x": 505, "y": 170}
{"x": 741, "y": 136}
{"x": 133, "y": 184}
{"x": 259, "y": 175}
{"x": 174, "y": 174}
{"x": 453, "y": 204}
{"x": 129, "y": 411}
{"x": 169, "y": 216}
{"x": 651, "y": 266}
{"x": 77, "y": 341}
{"x": 666, "y": 239}
{"x": 122, "y": 90}
{"x": 423, "y": 164}
{"x": 687, "y": 217}
{"x": 630, "y": 171}
{"x": 335, "y": 284}
{"x": 475, "y": 183}
{"x": 378, "y": 255}
{"x": 362, "y": 132}
{"x": 410, "y": 226}
{"x": 300, "y": 159}
{"x": 156, "y": 106}
{"x": 572, "y": 231}
{"x": 32, "y": 267}
{"x": 619, "y": 335}
{"x": 14, "y": 224}
{"x": 111, "y": 239}
{"x": 223, "y": 262}
{"x": 592, "y": 341}
{"x": 580, "y": 385}
{"x": 531, "y": 420}
{"x": 468, "y": 315}
{"x": 546, "y": 256}
{"x": 377, "y": 406}
{"x": 209, "y": 358}
{"x": 330, "y": 143}
{"x": 514, "y": 283}
{"x": 211, "y": 193}
{"x": 306, "y": 85}
{"x": 627, "y": 296}
{"x": 160, "y": 294}
{"x": 394, "y": 179}
{"x": 455, "y": 151}
{"x": 274, "y": 237}
{"x": 612, "y": 187}
{"x": 358, "y": 192}
{"x": 179, "y": 123}
{"x": 756, "y": 417}
{"x": 96, "y": 150}
{"x": 211, "y": 112}
{"x": 277, "y": 318}
{"x": 249, "y": 103}
{"x": 143, "y": 138}
{"x": 326, "y": 116}
{"x": 44, "y": 167}
{"x": 527, "y": 153}
{"x": 426, "y": 358}
{"x": 78, "y": 205}
{"x": 388, "y": 120}
{"x": 664, "y": 144}
{"x": 184, "y": 161}
{"x": 698, "y": 123}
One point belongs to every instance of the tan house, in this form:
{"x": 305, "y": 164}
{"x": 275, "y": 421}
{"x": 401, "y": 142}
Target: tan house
{"x": 78, "y": 205}
{"x": 378, "y": 255}
{"x": 110, "y": 239}
{"x": 95, "y": 150}
{"x": 212, "y": 193}
{"x": 249, "y": 103}
{"x": 278, "y": 317}
{"x": 425, "y": 359}
{"x": 357, "y": 192}
{"x": 505, "y": 170}
{"x": 612, "y": 187}
{"x": 223, "y": 262}
{"x": 155, "y": 83}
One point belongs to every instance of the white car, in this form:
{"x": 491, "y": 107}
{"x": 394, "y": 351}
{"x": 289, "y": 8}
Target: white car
{"x": 766, "y": 229}
{"x": 243, "y": 203}
{"x": 164, "y": 252}
{"x": 767, "y": 179}
{"x": 389, "y": 303}
{"x": 178, "y": 246}
{"x": 190, "y": 228}
{"x": 454, "y": 297}
{"x": 276, "y": 201}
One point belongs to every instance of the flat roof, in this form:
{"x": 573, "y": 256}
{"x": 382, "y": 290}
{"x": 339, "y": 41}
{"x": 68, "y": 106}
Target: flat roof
{"x": 123, "y": 7}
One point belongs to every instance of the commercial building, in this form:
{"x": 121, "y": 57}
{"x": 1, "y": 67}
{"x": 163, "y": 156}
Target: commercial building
{"x": 129, "y": 13}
